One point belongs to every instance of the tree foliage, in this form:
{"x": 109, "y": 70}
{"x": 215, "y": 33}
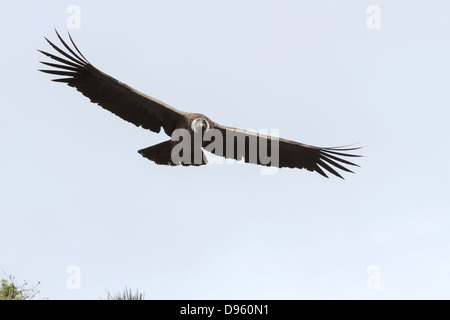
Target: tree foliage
{"x": 11, "y": 290}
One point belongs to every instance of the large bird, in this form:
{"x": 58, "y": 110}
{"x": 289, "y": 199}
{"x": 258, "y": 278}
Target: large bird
{"x": 150, "y": 113}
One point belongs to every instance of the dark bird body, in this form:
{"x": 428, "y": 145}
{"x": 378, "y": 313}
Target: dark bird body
{"x": 150, "y": 113}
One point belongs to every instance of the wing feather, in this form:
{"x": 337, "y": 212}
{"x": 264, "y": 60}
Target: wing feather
{"x": 291, "y": 154}
{"x": 111, "y": 94}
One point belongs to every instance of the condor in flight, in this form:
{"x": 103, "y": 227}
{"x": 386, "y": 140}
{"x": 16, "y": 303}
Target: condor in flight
{"x": 149, "y": 113}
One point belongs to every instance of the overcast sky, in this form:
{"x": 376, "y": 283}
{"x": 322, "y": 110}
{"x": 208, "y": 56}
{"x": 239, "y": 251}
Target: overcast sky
{"x": 82, "y": 212}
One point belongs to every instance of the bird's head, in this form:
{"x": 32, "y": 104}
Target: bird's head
{"x": 200, "y": 124}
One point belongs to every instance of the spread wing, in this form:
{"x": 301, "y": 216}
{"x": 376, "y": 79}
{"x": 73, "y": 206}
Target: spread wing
{"x": 111, "y": 94}
{"x": 246, "y": 145}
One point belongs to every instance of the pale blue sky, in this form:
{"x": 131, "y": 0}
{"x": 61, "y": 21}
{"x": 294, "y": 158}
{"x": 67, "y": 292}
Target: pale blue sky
{"x": 74, "y": 190}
